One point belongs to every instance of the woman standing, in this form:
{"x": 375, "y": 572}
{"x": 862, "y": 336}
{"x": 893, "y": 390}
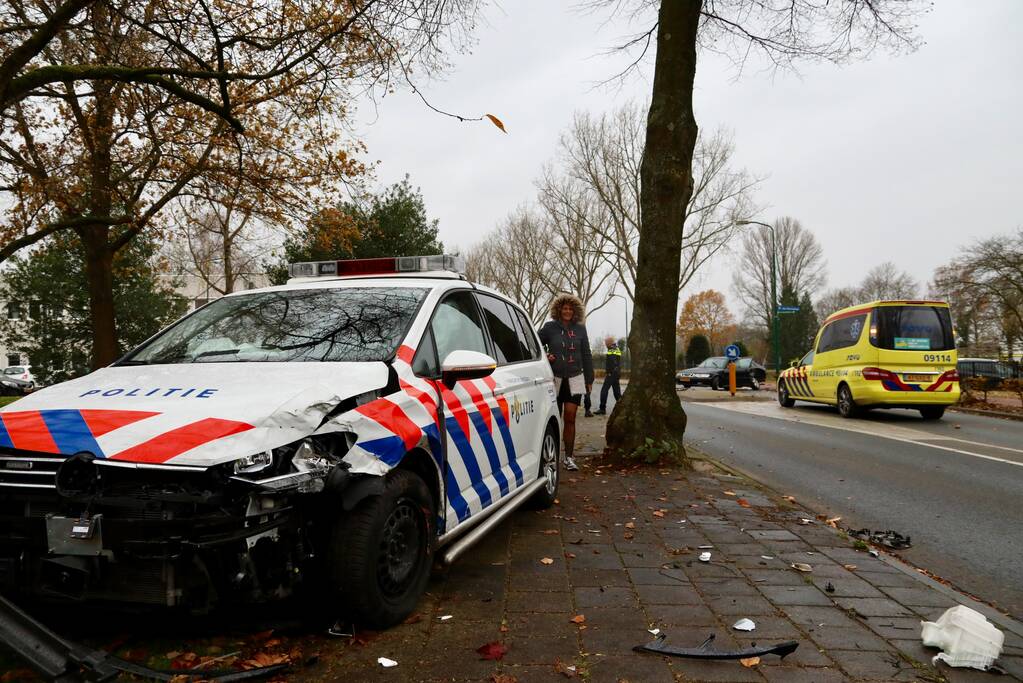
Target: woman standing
{"x": 568, "y": 350}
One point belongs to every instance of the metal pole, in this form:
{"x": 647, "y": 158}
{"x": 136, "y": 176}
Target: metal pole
{"x": 774, "y": 302}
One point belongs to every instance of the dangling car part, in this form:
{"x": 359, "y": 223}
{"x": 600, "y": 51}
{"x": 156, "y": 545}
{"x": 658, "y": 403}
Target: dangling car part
{"x": 705, "y": 651}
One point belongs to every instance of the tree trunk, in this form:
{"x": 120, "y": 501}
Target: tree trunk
{"x": 99, "y": 270}
{"x": 650, "y": 408}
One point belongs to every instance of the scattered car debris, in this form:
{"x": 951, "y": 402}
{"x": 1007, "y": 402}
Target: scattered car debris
{"x": 966, "y": 636}
{"x": 887, "y": 538}
{"x": 57, "y": 658}
{"x": 445, "y": 617}
{"x": 705, "y": 557}
{"x": 767, "y": 557}
{"x": 706, "y": 651}
{"x": 704, "y": 547}
{"x": 386, "y": 663}
{"x": 802, "y": 566}
{"x": 804, "y": 521}
{"x": 744, "y": 625}
{"x": 874, "y": 553}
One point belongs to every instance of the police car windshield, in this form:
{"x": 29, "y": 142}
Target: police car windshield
{"x": 353, "y": 324}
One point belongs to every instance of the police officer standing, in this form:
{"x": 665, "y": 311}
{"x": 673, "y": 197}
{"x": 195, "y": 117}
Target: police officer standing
{"x": 612, "y": 374}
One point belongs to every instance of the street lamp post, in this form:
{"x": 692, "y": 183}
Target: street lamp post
{"x": 774, "y": 293}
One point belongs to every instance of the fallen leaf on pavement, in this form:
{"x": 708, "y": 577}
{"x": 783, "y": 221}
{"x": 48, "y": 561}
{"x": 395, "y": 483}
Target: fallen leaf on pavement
{"x": 791, "y": 499}
{"x": 802, "y": 567}
{"x": 750, "y": 661}
{"x": 546, "y": 560}
{"x": 659, "y": 513}
{"x": 494, "y": 651}
{"x": 729, "y": 493}
{"x": 263, "y": 659}
{"x": 630, "y": 525}
{"x": 629, "y": 535}
{"x": 578, "y": 619}
{"x": 413, "y": 618}
{"x": 833, "y": 522}
{"x": 566, "y": 670}
{"x": 743, "y": 502}
{"x": 503, "y": 678}
{"x": 850, "y": 567}
{"x": 550, "y": 532}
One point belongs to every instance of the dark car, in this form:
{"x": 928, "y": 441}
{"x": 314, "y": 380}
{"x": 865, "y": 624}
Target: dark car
{"x": 713, "y": 373}
{"x": 995, "y": 371}
{"x": 11, "y": 386}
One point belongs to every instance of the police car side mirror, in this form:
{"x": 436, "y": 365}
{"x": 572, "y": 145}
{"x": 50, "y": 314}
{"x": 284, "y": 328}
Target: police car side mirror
{"x": 459, "y": 365}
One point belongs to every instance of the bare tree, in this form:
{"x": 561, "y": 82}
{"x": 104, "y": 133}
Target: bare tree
{"x": 515, "y": 259}
{"x": 783, "y": 31}
{"x": 800, "y": 266}
{"x": 835, "y": 299}
{"x": 603, "y": 156}
{"x": 884, "y": 281}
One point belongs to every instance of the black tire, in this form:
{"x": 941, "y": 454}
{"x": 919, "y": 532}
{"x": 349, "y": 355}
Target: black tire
{"x": 784, "y": 399}
{"x": 846, "y": 405}
{"x": 715, "y": 383}
{"x": 754, "y": 383}
{"x": 549, "y": 453}
{"x": 932, "y": 412}
{"x": 381, "y": 552}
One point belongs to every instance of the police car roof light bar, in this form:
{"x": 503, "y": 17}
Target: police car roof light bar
{"x": 378, "y": 266}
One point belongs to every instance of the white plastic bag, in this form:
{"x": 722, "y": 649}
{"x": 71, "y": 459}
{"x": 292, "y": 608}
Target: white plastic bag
{"x": 966, "y": 636}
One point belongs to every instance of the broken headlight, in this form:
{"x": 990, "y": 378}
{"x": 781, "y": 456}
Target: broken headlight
{"x": 300, "y": 466}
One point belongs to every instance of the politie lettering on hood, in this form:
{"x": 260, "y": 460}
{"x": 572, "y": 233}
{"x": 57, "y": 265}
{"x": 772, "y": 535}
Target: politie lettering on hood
{"x": 170, "y": 392}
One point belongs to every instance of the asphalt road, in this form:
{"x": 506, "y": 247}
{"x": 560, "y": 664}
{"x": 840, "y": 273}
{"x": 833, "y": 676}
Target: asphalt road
{"x": 955, "y": 486}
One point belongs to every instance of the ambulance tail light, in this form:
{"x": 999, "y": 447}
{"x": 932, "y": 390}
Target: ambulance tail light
{"x": 379, "y": 266}
{"x": 952, "y": 375}
{"x": 878, "y": 374}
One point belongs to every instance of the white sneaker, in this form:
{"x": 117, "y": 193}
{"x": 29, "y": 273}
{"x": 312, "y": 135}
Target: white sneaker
{"x": 570, "y": 464}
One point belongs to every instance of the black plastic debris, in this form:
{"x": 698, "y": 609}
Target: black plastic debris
{"x": 706, "y": 651}
{"x": 887, "y": 538}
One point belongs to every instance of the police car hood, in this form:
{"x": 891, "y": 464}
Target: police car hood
{"x": 198, "y": 414}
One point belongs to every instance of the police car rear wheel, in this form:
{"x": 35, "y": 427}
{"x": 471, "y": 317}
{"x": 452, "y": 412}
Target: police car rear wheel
{"x": 549, "y": 471}
{"x": 382, "y": 552}
{"x": 784, "y": 399}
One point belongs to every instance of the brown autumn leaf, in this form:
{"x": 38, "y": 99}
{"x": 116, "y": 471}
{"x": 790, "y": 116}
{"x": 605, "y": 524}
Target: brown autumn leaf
{"x": 566, "y": 670}
{"x": 729, "y": 493}
{"x": 504, "y": 628}
{"x": 659, "y": 513}
{"x": 629, "y": 535}
{"x": 497, "y": 122}
{"x": 546, "y": 560}
{"x": 413, "y": 618}
{"x": 791, "y": 499}
{"x": 743, "y": 502}
{"x": 570, "y": 556}
{"x": 550, "y": 532}
{"x": 503, "y": 678}
{"x": 494, "y": 651}
{"x": 264, "y": 659}
{"x": 750, "y": 662}
{"x": 850, "y": 567}
{"x": 630, "y": 525}
{"x": 578, "y": 619}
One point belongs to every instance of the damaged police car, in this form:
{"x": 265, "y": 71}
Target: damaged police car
{"x": 324, "y": 437}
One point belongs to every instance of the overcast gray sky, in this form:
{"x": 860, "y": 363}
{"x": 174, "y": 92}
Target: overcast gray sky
{"x": 896, "y": 158}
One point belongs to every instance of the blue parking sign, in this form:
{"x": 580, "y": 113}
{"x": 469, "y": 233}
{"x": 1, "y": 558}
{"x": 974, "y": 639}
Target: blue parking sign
{"x": 732, "y": 352}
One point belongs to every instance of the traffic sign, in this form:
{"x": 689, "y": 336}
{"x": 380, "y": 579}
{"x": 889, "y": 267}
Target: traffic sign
{"x": 732, "y": 352}
{"x": 788, "y": 309}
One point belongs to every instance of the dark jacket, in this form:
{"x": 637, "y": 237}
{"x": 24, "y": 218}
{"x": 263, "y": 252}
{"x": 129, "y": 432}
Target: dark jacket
{"x": 613, "y": 362}
{"x": 571, "y": 348}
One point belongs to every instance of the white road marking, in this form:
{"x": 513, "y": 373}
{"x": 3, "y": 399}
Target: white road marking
{"x": 879, "y": 429}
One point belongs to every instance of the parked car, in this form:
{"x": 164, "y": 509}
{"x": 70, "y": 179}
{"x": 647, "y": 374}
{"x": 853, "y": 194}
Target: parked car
{"x": 988, "y": 368}
{"x": 11, "y": 386}
{"x": 713, "y": 373}
{"x": 322, "y": 438}
{"x": 21, "y": 372}
{"x": 882, "y": 354}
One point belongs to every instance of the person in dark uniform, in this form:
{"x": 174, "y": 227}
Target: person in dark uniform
{"x": 568, "y": 350}
{"x": 612, "y": 374}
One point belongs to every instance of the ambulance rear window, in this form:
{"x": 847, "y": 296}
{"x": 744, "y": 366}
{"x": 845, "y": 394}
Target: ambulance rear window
{"x": 912, "y": 328}
{"x": 353, "y": 324}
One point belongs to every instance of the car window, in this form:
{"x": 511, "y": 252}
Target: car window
{"x": 503, "y": 331}
{"x": 425, "y": 363}
{"x": 807, "y": 359}
{"x": 842, "y": 333}
{"x": 456, "y": 326}
{"x": 527, "y": 334}
{"x": 353, "y": 324}
{"x": 14, "y": 371}
{"x": 913, "y": 328}
{"x": 742, "y": 364}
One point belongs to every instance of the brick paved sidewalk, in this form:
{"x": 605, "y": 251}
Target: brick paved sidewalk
{"x": 624, "y": 548}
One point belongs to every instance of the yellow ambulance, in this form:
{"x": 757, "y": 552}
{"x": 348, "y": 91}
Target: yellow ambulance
{"x": 883, "y": 354}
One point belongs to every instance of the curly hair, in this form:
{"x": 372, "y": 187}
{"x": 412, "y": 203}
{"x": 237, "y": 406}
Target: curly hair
{"x": 572, "y": 300}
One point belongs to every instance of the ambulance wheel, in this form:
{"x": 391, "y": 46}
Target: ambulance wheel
{"x": 932, "y": 412}
{"x": 784, "y": 399}
{"x": 381, "y": 553}
{"x": 549, "y": 470}
{"x": 846, "y": 405}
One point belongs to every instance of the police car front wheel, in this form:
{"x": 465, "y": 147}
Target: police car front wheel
{"x": 381, "y": 554}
